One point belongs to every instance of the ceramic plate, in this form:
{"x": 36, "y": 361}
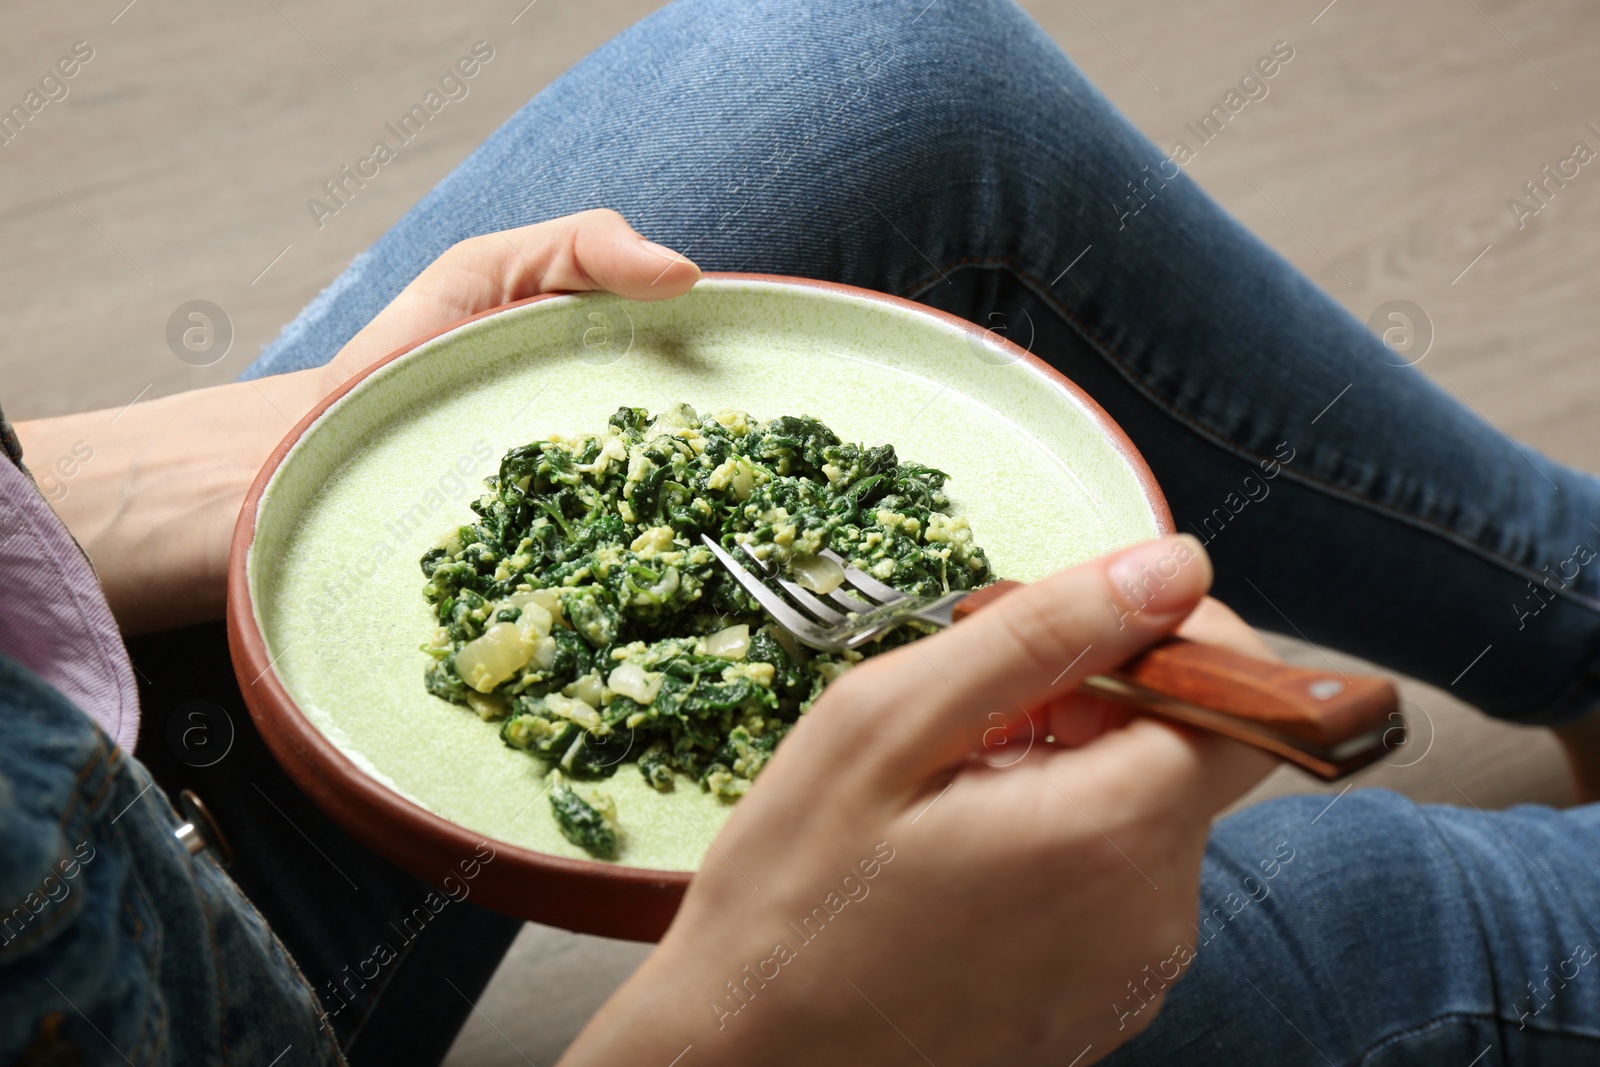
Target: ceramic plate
{"x": 327, "y": 592}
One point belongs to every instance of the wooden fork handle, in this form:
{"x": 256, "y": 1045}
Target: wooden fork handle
{"x": 1327, "y": 723}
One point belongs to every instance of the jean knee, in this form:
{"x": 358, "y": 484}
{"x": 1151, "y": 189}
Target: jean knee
{"x": 956, "y": 69}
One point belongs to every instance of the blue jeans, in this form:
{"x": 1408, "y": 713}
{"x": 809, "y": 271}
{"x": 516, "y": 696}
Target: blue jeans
{"x": 951, "y": 153}
{"x": 961, "y": 160}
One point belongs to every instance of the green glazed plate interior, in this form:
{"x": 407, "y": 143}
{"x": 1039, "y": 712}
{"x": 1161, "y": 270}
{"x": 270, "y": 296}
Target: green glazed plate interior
{"x": 392, "y": 466}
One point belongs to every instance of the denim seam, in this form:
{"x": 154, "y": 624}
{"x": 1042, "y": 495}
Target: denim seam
{"x": 1177, "y": 415}
{"x": 1447, "y": 1016}
{"x": 58, "y": 915}
{"x": 97, "y": 761}
{"x": 244, "y": 902}
{"x": 216, "y": 963}
{"x": 134, "y": 848}
{"x": 107, "y": 767}
{"x": 1558, "y": 707}
{"x": 156, "y": 1021}
{"x": 1481, "y": 924}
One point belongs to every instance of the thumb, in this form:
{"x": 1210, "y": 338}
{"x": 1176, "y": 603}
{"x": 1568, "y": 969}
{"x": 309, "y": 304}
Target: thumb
{"x": 611, "y": 255}
{"x": 1035, "y": 644}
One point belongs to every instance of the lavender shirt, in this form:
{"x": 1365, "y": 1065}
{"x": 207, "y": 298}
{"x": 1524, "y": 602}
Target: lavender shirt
{"x": 54, "y": 619}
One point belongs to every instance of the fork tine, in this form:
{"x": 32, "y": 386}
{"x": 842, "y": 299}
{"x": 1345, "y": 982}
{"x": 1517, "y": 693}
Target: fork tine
{"x": 761, "y": 566}
{"x": 804, "y": 630}
{"x": 850, "y": 603}
{"x": 877, "y": 593}
{"x": 805, "y": 599}
{"x": 863, "y": 582}
{"x": 826, "y": 612}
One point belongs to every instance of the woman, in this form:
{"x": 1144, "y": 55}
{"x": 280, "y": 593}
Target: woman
{"x": 949, "y": 153}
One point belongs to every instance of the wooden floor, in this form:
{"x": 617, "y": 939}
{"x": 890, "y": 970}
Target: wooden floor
{"x": 1381, "y": 163}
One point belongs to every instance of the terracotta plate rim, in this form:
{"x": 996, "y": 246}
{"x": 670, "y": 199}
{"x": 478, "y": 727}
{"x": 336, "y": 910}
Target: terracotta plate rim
{"x": 298, "y": 743}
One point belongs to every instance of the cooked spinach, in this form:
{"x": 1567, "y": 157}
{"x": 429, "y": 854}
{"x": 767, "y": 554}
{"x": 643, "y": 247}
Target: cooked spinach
{"x": 582, "y": 611}
{"x": 591, "y": 826}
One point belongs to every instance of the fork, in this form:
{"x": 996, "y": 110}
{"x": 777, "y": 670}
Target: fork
{"x": 1325, "y": 722}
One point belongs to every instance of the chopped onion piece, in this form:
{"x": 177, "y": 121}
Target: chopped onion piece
{"x": 817, "y": 573}
{"x": 544, "y": 653}
{"x": 576, "y": 710}
{"x": 743, "y": 483}
{"x": 731, "y": 643}
{"x": 589, "y": 689}
{"x": 548, "y": 599}
{"x": 662, "y": 591}
{"x": 534, "y": 623}
{"x": 485, "y": 662}
{"x": 635, "y": 683}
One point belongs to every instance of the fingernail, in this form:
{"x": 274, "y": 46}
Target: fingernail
{"x": 671, "y": 259}
{"x": 662, "y": 250}
{"x": 1160, "y": 577}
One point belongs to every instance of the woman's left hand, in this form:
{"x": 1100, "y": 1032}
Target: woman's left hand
{"x": 576, "y": 253}
{"x": 156, "y": 505}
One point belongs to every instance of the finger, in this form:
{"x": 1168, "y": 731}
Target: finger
{"x": 1081, "y": 717}
{"x": 1151, "y": 767}
{"x": 592, "y": 250}
{"x": 1242, "y": 765}
{"x": 1038, "y": 642}
{"x": 1073, "y": 719}
{"x": 1078, "y": 718}
{"x": 1214, "y": 623}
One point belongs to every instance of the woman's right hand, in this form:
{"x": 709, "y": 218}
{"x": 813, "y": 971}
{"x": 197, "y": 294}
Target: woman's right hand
{"x": 897, "y": 889}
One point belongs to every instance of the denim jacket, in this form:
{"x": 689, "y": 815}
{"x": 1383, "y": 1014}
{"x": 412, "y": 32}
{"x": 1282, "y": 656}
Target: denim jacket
{"x": 116, "y": 945}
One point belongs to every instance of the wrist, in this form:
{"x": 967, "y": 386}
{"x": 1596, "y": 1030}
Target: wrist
{"x": 155, "y": 502}
{"x": 665, "y": 1007}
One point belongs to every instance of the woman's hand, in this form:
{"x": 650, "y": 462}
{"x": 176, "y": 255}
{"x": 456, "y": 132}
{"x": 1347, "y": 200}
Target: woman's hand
{"x": 156, "y": 505}
{"x": 590, "y": 250}
{"x": 901, "y": 888}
